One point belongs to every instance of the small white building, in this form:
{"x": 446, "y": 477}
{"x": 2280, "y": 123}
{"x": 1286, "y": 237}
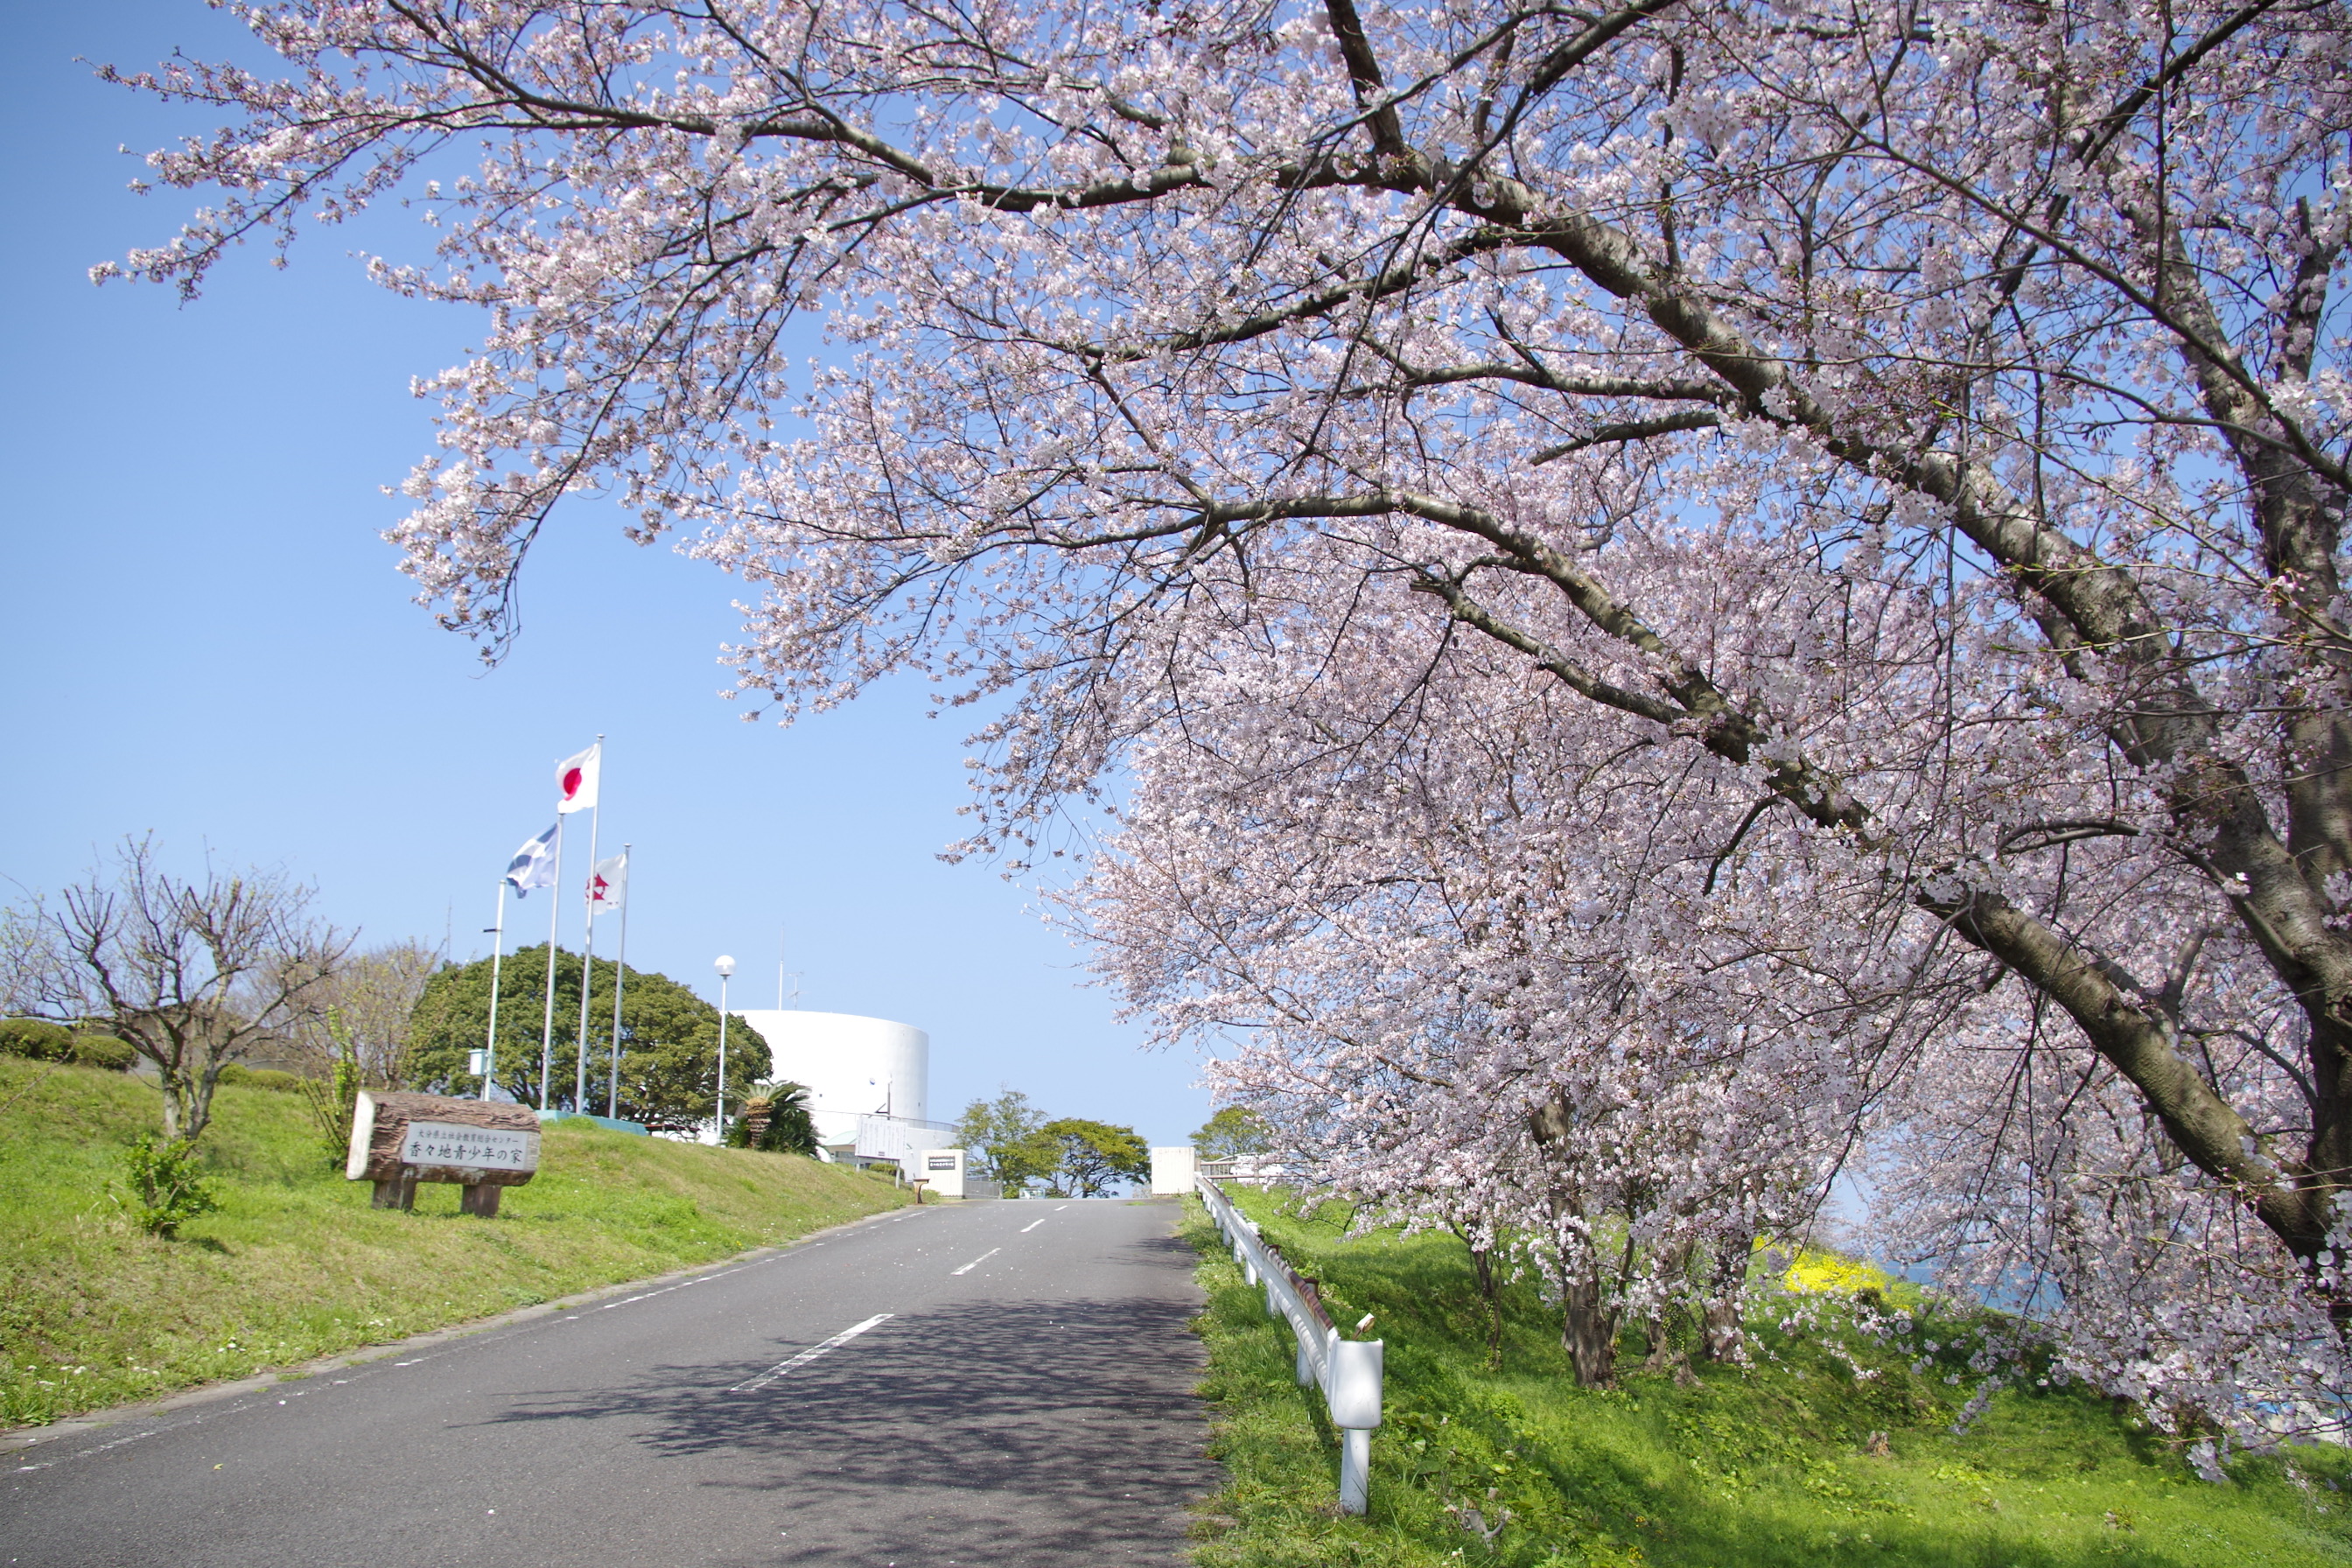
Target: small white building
{"x": 941, "y": 1169}
{"x": 1171, "y": 1170}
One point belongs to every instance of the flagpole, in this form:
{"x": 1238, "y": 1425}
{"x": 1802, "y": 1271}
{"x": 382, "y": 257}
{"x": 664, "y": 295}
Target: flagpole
{"x": 620, "y": 980}
{"x": 554, "y": 914}
{"x": 588, "y": 942}
{"x": 498, "y": 947}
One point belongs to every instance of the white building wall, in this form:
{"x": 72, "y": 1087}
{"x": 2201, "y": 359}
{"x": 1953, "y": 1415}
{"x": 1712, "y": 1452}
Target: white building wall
{"x": 1171, "y": 1170}
{"x": 854, "y": 1067}
{"x": 941, "y": 1169}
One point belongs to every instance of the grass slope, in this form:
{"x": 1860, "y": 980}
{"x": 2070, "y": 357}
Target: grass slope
{"x": 1766, "y": 1467}
{"x": 296, "y": 1264}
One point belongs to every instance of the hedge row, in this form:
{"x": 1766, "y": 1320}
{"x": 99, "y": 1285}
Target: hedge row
{"x": 56, "y": 1043}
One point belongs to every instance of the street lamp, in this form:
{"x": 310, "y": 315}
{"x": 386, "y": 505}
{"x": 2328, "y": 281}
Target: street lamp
{"x": 725, "y": 966}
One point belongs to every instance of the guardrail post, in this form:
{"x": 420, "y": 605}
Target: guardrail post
{"x": 1347, "y": 1369}
{"x": 1355, "y": 1468}
{"x": 1354, "y": 1394}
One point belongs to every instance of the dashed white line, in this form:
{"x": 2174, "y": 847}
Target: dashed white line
{"x": 1032, "y": 1226}
{"x": 976, "y": 1262}
{"x": 1060, "y": 1207}
{"x": 810, "y": 1355}
{"x": 681, "y": 1285}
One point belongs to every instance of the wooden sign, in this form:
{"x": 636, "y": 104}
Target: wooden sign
{"x": 399, "y": 1140}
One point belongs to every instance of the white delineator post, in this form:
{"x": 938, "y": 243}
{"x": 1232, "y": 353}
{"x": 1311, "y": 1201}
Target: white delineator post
{"x": 1348, "y": 1371}
{"x": 1352, "y": 1390}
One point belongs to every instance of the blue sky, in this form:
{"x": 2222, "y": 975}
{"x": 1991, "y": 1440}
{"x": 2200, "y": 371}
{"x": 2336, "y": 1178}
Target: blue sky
{"x": 207, "y": 640}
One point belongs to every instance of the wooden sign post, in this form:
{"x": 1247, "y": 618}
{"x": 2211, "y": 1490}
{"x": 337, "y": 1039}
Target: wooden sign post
{"x": 399, "y": 1140}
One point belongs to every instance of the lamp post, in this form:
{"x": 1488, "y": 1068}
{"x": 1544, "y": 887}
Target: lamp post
{"x": 725, "y": 966}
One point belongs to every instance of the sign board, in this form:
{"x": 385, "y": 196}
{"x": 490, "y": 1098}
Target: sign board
{"x": 399, "y": 1140}
{"x": 940, "y": 1163}
{"x": 454, "y": 1144}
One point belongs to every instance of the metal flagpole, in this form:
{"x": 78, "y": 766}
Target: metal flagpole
{"x": 726, "y": 967}
{"x": 554, "y": 913}
{"x": 588, "y": 943}
{"x": 620, "y": 980}
{"x": 498, "y": 947}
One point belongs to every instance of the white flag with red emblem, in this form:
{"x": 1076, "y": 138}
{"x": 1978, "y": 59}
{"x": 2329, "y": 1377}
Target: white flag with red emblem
{"x": 575, "y": 780}
{"x": 608, "y": 884}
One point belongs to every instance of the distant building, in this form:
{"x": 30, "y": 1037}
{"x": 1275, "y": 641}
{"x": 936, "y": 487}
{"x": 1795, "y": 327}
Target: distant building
{"x": 856, "y": 1068}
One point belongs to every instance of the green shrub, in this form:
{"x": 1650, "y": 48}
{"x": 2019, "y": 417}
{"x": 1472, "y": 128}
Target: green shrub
{"x": 104, "y": 1051}
{"x": 261, "y": 1077}
{"x": 31, "y": 1038}
{"x": 165, "y": 1191}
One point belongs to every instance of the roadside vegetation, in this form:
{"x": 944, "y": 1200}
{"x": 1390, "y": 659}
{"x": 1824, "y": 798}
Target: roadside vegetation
{"x": 1831, "y": 1448}
{"x": 1018, "y": 1146}
{"x": 294, "y": 1263}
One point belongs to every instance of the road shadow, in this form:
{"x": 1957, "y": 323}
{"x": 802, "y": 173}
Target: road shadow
{"x": 1031, "y": 1431}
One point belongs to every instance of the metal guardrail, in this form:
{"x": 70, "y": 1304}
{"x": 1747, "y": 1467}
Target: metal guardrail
{"x": 1346, "y": 1371}
{"x": 1244, "y": 1169}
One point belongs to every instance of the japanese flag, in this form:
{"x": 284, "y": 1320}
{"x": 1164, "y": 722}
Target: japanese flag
{"x": 575, "y": 780}
{"x": 608, "y": 884}
{"x": 533, "y": 865}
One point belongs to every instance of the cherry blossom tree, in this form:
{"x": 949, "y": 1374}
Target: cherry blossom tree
{"x": 1491, "y": 967}
{"x": 1925, "y": 427}
{"x": 1486, "y": 968}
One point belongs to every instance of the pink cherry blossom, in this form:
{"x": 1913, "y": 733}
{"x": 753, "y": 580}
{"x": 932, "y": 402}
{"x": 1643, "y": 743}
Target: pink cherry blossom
{"x": 1671, "y": 601}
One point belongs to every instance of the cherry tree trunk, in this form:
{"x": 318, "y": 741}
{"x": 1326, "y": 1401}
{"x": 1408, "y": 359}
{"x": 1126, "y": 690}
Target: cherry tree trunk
{"x": 1590, "y": 1334}
{"x": 1722, "y": 1337}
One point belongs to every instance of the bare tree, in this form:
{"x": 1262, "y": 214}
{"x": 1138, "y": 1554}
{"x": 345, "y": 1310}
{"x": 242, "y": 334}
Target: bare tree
{"x": 372, "y": 995}
{"x": 362, "y": 1034}
{"x": 193, "y": 975}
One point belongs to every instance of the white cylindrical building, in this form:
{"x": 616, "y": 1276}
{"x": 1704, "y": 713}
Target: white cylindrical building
{"x": 854, "y": 1067}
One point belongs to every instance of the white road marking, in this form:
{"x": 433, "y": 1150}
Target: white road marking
{"x": 1030, "y": 1225}
{"x": 976, "y": 1262}
{"x": 811, "y": 1353}
{"x": 1060, "y": 1207}
{"x": 680, "y": 1286}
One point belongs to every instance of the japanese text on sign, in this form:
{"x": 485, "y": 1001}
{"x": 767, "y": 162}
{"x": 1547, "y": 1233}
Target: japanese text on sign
{"x": 451, "y": 1143}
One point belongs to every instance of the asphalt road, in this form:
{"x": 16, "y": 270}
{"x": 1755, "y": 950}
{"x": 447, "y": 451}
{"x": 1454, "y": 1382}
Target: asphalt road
{"x": 991, "y": 1383}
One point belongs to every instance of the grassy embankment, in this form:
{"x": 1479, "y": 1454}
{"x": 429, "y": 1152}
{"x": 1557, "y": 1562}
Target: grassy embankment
{"x": 296, "y": 1265}
{"x": 1771, "y": 1466}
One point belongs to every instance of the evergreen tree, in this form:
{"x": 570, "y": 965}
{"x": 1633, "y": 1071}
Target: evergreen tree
{"x": 669, "y": 1039}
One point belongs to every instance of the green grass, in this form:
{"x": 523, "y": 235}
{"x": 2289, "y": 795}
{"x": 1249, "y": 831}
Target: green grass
{"x": 296, "y": 1265}
{"x": 1766, "y": 1466}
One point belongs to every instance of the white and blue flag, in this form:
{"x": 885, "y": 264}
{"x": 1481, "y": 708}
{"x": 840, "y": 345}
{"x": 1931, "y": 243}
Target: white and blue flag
{"x": 533, "y": 865}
